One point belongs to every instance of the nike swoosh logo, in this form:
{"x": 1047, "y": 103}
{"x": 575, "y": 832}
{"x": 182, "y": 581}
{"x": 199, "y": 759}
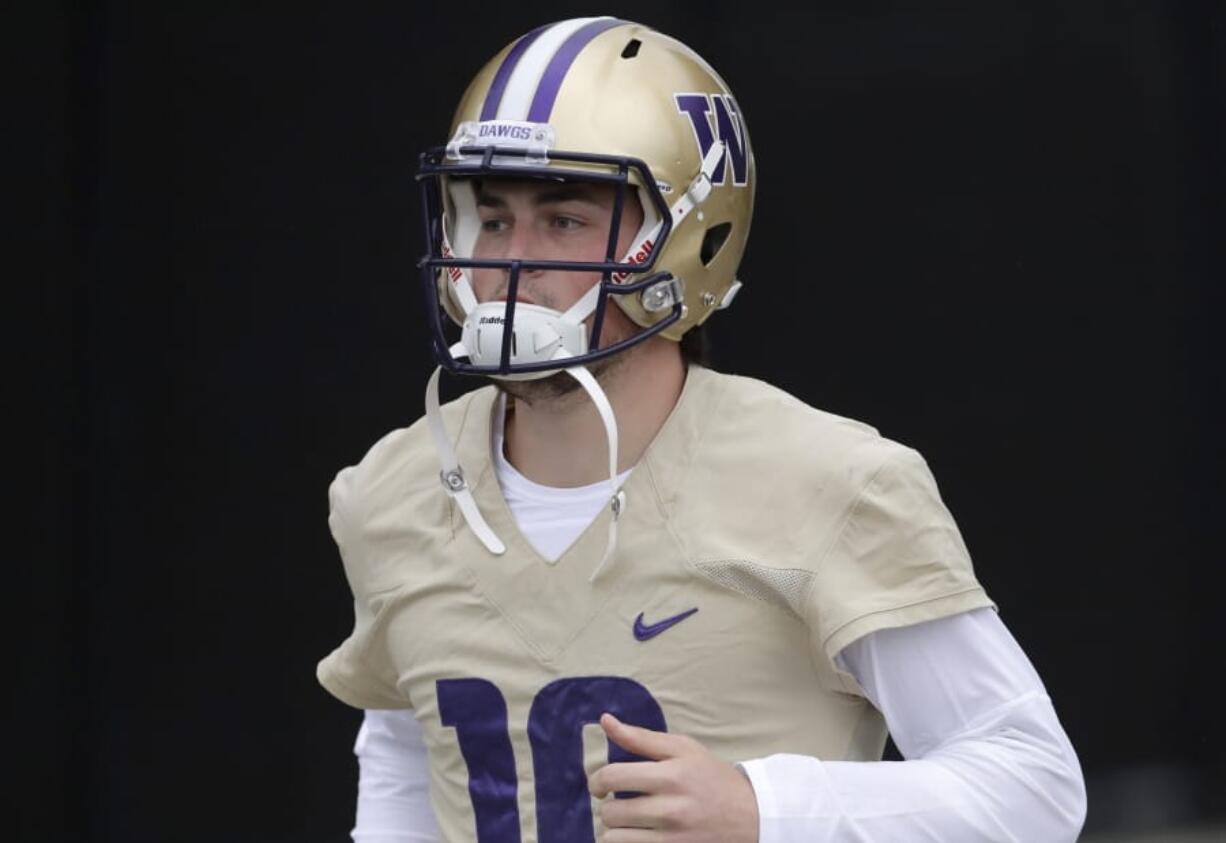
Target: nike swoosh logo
{"x": 644, "y": 632}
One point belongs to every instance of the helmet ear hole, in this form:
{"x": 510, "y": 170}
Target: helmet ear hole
{"x": 632, "y": 48}
{"x": 713, "y": 241}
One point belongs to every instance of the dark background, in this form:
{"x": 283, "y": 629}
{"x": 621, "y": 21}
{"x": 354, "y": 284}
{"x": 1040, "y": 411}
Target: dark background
{"x": 992, "y": 231}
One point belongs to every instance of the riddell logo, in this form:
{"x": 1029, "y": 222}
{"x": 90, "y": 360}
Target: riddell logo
{"x": 453, "y": 272}
{"x": 638, "y": 257}
{"x": 491, "y": 320}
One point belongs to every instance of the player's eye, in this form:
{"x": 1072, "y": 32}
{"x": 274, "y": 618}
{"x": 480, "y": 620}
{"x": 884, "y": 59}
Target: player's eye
{"x": 494, "y": 224}
{"x": 567, "y": 223}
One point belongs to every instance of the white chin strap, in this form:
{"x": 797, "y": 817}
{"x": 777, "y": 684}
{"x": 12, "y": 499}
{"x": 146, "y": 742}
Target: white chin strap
{"x": 452, "y": 474}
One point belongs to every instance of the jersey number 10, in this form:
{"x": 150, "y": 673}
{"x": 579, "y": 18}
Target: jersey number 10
{"x": 477, "y": 710}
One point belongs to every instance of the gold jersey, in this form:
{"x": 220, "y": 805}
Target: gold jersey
{"x": 760, "y": 537}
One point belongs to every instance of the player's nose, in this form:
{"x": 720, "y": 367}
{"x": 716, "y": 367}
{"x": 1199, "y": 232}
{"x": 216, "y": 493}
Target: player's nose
{"x": 523, "y": 243}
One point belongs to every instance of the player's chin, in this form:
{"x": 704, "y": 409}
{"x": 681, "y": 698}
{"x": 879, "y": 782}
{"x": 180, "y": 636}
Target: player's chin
{"x": 548, "y": 388}
{"x": 559, "y": 385}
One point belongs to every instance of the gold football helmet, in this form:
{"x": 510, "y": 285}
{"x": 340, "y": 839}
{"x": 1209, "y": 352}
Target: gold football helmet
{"x": 595, "y": 100}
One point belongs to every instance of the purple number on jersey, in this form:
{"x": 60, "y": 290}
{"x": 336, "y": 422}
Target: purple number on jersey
{"x": 478, "y": 711}
{"x": 555, "y": 730}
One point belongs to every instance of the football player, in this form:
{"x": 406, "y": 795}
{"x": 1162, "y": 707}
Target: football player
{"x": 617, "y": 594}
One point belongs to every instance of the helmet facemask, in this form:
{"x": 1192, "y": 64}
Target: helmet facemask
{"x": 511, "y": 339}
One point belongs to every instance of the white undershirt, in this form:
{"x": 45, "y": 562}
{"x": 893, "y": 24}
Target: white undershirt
{"x": 987, "y": 759}
{"x": 550, "y": 518}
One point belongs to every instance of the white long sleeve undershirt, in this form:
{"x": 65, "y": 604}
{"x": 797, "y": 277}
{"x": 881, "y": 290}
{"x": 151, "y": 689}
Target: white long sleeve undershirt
{"x": 987, "y": 759}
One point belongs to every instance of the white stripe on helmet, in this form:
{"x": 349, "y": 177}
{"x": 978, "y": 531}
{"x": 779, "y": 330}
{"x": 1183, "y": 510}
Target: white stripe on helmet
{"x": 521, "y": 87}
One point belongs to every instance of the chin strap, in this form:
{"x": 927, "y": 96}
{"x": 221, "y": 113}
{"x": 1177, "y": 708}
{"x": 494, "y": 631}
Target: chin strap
{"x": 452, "y": 474}
{"x": 617, "y": 498}
{"x": 700, "y": 188}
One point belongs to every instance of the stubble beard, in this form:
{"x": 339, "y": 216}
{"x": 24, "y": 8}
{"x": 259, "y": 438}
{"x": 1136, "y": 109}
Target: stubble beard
{"x": 560, "y": 387}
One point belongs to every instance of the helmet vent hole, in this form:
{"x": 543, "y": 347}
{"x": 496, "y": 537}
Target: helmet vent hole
{"x": 713, "y": 241}
{"x": 632, "y": 48}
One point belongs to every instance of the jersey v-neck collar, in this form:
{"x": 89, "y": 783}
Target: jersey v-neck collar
{"x": 647, "y": 488}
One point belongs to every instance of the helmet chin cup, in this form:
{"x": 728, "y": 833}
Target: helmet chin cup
{"x": 538, "y": 335}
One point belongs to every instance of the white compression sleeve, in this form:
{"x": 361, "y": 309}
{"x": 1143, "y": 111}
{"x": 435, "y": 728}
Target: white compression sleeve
{"x": 987, "y": 759}
{"x": 393, "y": 781}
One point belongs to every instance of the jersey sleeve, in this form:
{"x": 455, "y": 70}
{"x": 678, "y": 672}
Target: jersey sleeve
{"x": 896, "y": 559}
{"x": 358, "y": 672}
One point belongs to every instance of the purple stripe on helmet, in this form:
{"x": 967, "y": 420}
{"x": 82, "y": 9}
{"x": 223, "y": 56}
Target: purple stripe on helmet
{"x": 551, "y": 80}
{"x": 494, "y": 98}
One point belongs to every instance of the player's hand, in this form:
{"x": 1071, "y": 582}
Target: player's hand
{"x": 689, "y": 795}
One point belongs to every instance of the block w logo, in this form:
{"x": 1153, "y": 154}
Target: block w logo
{"x": 699, "y": 108}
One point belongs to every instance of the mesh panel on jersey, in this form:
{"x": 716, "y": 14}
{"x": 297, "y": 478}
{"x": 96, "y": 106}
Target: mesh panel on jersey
{"x": 783, "y": 587}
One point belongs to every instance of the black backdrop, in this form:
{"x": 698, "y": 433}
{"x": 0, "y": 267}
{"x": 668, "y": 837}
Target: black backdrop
{"x": 988, "y": 230}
